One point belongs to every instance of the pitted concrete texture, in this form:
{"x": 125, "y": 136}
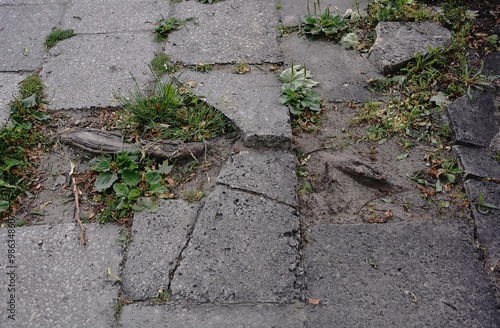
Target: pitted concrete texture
{"x": 244, "y": 249}
{"x": 472, "y": 120}
{"x": 230, "y": 31}
{"x": 395, "y": 275}
{"x": 342, "y": 73}
{"x": 476, "y": 163}
{"x": 292, "y": 12}
{"x": 87, "y": 16}
{"x": 157, "y": 240}
{"x": 58, "y": 282}
{"x": 267, "y": 173}
{"x": 397, "y": 43}
{"x": 86, "y": 71}
{"x": 23, "y": 30}
{"x": 250, "y": 101}
{"x": 209, "y": 316}
{"x": 487, "y": 224}
{"x": 9, "y": 89}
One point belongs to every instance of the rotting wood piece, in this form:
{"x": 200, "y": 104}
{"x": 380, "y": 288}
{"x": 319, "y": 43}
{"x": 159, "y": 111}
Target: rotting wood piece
{"x": 111, "y": 142}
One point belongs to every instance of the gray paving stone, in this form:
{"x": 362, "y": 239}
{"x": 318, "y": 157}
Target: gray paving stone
{"x": 9, "y": 89}
{"x": 32, "y": 2}
{"x": 487, "y": 225}
{"x": 341, "y": 74}
{"x": 471, "y": 120}
{"x": 58, "y": 282}
{"x": 397, "y": 43}
{"x": 229, "y": 31}
{"x": 157, "y": 240}
{"x": 476, "y": 162}
{"x": 268, "y": 173}
{"x": 87, "y": 70}
{"x": 491, "y": 64}
{"x": 293, "y": 11}
{"x": 87, "y": 16}
{"x": 427, "y": 275}
{"x": 250, "y": 101}
{"x": 244, "y": 249}
{"x": 209, "y": 316}
{"x": 23, "y": 30}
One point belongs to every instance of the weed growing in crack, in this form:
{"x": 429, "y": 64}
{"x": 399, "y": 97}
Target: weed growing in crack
{"x": 324, "y": 24}
{"x": 166, "y": 26}
{"x": 304, "y": 104}
{"x": 161, "y": 65}
{"x": 58, "y": 35}
{"x": 170, "y": 112}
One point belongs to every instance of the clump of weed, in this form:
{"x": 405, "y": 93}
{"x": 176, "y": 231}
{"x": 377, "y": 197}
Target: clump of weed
{"x": 324, "y": 24}
{"x": 58, "y": 35}
{"x": 171, "y": 112}
{"x": 202, "y": 67}
{"x": 242, "y": 68}
{"x": 161, "y": 65}
{"x": 194, "y": 195}
{"x": 166, "y": 26}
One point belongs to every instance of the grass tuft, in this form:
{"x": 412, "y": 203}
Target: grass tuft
{"x": 58, "y": 35}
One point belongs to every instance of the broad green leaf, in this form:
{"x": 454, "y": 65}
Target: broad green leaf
{"x": 451, "y": 178}
{"x": 402, "y": 156}
{"x": 165, "y": 168}
{"x": 105, "y": 180}
{"x": 145, "y": 204}
{"x": 440, "y": 99}
{"x": 102, "y": 166}
{"x": 9, "y": 163}
{"x": 133, "y": 194}
{"x": 121, "y": 189}
{"x": 4, "y": 206}
{"x": 30, "y": 101}
{"x": 41, "y": 117}
{"x": 152, "y": 177}
{"x": 157, "y": 189}
{"x": 439, "y": 186}
{"x": 130, "y": 177}
{"x": 350, "y": 41}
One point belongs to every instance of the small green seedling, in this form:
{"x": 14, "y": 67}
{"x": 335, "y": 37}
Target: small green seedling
{"x": 58, "y": 35}
{"x": 483, "y": 207}
{"x": 167, "y": 26}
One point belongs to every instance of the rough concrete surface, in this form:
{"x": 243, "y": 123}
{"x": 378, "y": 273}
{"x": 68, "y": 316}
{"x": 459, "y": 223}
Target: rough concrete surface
{"x": 59, "y": 283}
{"x": 476, "y": 163}
{"x": 9, "y": 89}
{"x": 104, "y": 64}
{"x": 250, "y": 101}
{"x": 86, "y": 16}
{"x": 230, "y": 31}
{"x": 157, "y": 240}
{"x": 397, "y": 43}
{"x": 364, "y": 274}
{"x": 244, "y": 249}
{"x": 23, "y": 30}
{"x": 267, "y": 173}
{"x": 487, "y": 225}
{"x": 472, "y": 120}
{"x": 343, "y": 73}
{"x": 209, "y": 316}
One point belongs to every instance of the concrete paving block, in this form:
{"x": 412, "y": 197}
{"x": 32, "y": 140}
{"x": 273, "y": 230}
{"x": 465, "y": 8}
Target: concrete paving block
{"x": 292, "y": 12}
{"x": 395, "y": 275}
{"x": 476, "y": 163}
{"x": 157, "y": 240}
{"x": 23, "y": 30}
{"x": 86, "y": 71}
{"x": 9, "y": 89}
{"x": 487, "y": 225}
{"x": 491, "y": 65}
{"x": 209, "y": 316}
{"x": 268, "y": 173}
{"x": 250, "y": 101}
{"x": 59, "y": 283}
{"x": 342, "y": 74}
{"x": 107, "y": 16}
{"x": 244, "y": 249}
{"x": 230, "y": 31}
{"x": 32, "y": 2}
{"x": 471, "y": 120}
{"x": 397, "y": 43}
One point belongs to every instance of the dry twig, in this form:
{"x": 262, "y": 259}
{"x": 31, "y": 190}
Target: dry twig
{"x": 77, "y": 211}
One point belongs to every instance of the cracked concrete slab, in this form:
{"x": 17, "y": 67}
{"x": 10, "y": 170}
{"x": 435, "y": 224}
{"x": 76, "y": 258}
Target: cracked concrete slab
{"x": 471, "y": 119}
{"x": 59, "y": 283}
{"x": 87, "y": 70}
{"x": 397, "y": 43}
{"x": 250, "y": 101}
{"x": 364, "y": 274}
{"x": 244, "y": 249}
{"x": 210, "y": 316}
{"x": 87, "y": 16}
{"x": 23, "y": 30}
{"x": 157, "y": 240}
{"x": 487, "y": 224}
{"x": 268, "y": 173}
{"x": 342, "y": 74}
{"x": 9, "y": 89}
{"x": 229, "y": 31}
{"x": 476, "y": 163}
